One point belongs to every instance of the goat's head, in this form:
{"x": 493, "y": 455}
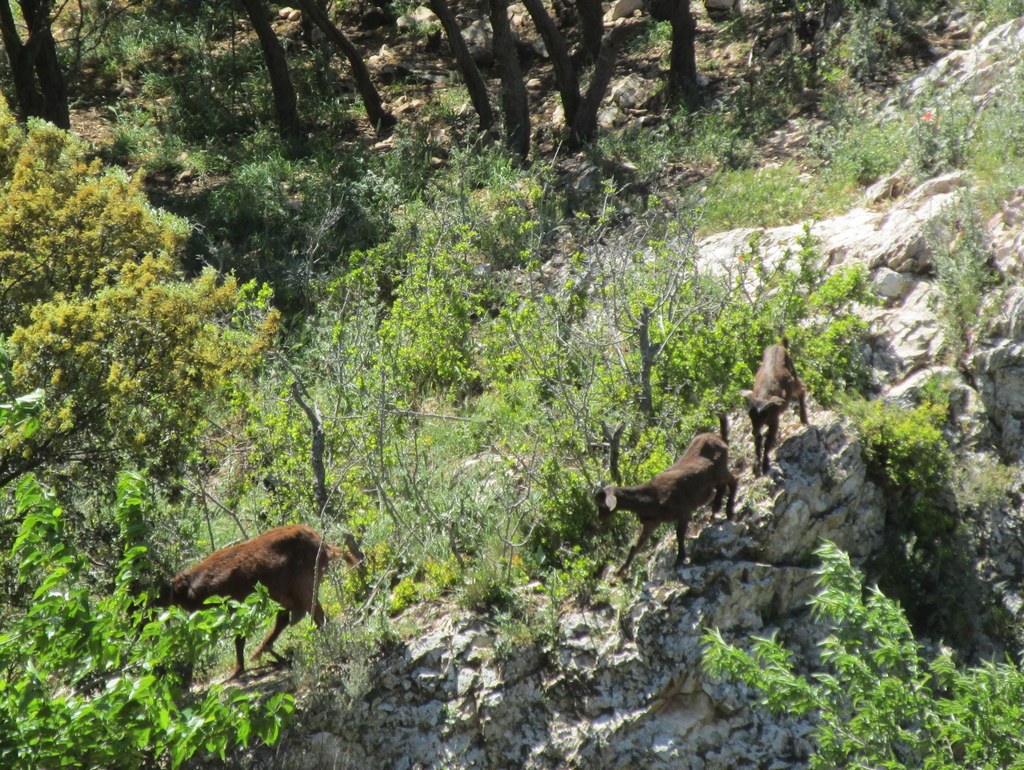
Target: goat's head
{"x": 163, "y": 594}
{"x": 606, "y": 502}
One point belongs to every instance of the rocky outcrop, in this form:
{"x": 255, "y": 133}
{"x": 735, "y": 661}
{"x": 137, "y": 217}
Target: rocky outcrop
{"x": 618, "y": 683}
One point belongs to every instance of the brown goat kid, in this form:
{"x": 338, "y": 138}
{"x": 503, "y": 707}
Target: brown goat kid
{"x": 290, "y": 561}
{"x": 701, "y": 475}
{"x": 775, "y": 385}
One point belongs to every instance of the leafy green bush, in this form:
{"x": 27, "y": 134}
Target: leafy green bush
{"x": 996, "y": 155}
{"x": 128, "y": 351}
{"x": 868, "y": 46}
{"x": 859, "y": 150}
{"x": 963, "y": 276}
{"x": 90, "y": 679}
{"x": 876, "y": 700}
{"x": 427, "y": 333}
{"x": 761, "y": 197}
{"x": 927, "y": 559}
{"x": 941, "y": 132}
{"x": 904, "y": 448}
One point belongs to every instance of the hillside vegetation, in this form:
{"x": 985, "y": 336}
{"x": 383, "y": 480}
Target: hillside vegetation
{"x": 264, "y": 266}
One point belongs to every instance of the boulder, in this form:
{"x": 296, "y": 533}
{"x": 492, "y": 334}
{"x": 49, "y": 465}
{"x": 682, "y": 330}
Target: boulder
{"x": 480, "y": 41}
{"x": 719, "y": 10}
{"x": 624, "y": 9}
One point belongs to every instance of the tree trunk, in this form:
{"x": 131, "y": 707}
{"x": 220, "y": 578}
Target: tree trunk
{"x": 648, "y": 355}
{"x": 470, "y": 73}
{"x": 22, "y": 73}
{"x": 565, "y": 73}
{"x": 682, "y": 76}
{"x": 591, "y": 29}
{"x": 39, "y": 85}
{"x": 585, "y": 126}
{"x": 285, "y": 102}
{"x": 316, "y": 461}
{"x": 514, "y": 104}
{"x": 379, "y": 117}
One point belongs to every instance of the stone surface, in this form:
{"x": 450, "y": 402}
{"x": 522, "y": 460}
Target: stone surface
{"x": 623, "y": 9}
{"x": 718, "y": 10}
{"x": 619, "y": 686}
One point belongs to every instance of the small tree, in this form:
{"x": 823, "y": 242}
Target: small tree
{"x": 94, "y": 312}
{"x": 515, "y": 106}
{"x": 380, "y": 118}
{"x": 682, "y": 75}
{"x": 470, "y": 72}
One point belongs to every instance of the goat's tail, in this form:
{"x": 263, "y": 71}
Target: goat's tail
{"x": 723, "y": 426}
{"x": 761, "y": 406}
{"x": 784, "y": 341}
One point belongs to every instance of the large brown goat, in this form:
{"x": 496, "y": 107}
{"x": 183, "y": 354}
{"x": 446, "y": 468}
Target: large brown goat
{"x": 701, "y": 475}
{"x": 775, "y": 385}
{"x": 290, "y": 561}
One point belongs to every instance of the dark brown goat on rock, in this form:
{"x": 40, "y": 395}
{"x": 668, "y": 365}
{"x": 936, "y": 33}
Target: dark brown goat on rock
{"x": 290, "y": 561}
{"x": 775, "y": 385}
{"x": 701, "y": 475}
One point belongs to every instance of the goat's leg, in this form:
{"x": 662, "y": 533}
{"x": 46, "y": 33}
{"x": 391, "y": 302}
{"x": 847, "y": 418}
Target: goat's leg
{"x": 681, "y": 526}
{"x": 802, "y": 399}
{"x": 279, "y": 625}
{"x": 769, "y": 440}
{"x": 729, "y": 509}
{"x": 647, "y": 527}
{"x": 758, "y": 444}
{"x": 716, "y": 504}
{"x": 239, "y": 657}
{"x": 318, "y": 614}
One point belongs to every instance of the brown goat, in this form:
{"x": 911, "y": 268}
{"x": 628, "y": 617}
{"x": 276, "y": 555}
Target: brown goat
{"x": 701, "y": 475}
{"x": 290, "y": 561}
{"x": 775, "y": 385}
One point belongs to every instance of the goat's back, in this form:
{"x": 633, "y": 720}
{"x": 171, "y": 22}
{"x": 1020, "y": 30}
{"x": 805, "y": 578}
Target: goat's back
{"x": 777, "y": 375}
{"x": 278, "y": 558}
{"x": 709, "y": 446}
{"x": 689, "y": 483}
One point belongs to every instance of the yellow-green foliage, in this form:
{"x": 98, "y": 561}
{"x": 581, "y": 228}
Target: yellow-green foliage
{"x": 96, "y": 313}
{"x": 67, "y": 227}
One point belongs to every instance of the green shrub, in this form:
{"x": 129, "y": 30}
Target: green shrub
{"x": 926, "y": 561}
{"x": 129, "y": 353}
{"x": 963, "y": 276}
{"x": 764, "y": 197}
{"x": 89, "y": 679}
{"x": 996, "y": 155}
{"x": 860, "y": 151}
{"x": 904, "y": 448}
{"x": 940, "y": 133}
{"x": 868, "y": 46}
{"x": 428, "y": 331}
{"x": 566, "y": 516}
{"x": 875, "y": 699}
